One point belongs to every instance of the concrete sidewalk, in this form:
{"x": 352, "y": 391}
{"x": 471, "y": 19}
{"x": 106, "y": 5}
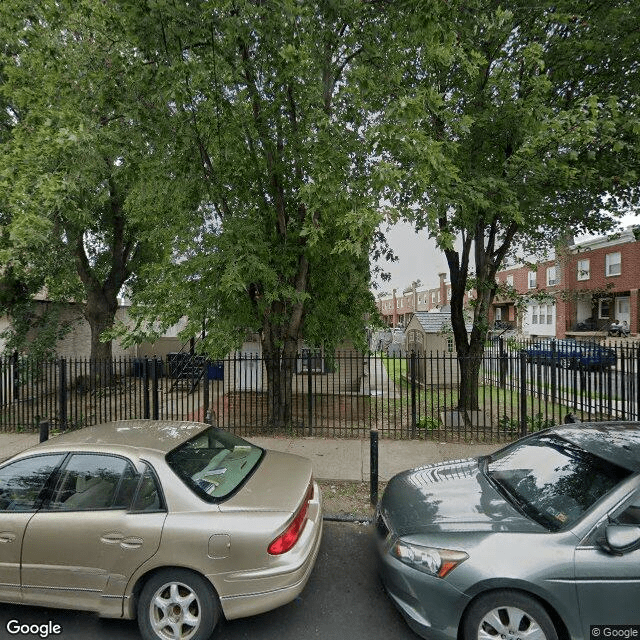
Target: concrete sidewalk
{"x": 332, "y": 459}
{"x": 338, "y": 459}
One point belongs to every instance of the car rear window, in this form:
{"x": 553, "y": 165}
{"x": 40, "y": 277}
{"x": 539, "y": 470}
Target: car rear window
{"x": 215, "y": 463}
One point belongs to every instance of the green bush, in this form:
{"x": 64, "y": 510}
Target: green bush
{"x": 534, "y": 423}
{"x": 428, "y": 422}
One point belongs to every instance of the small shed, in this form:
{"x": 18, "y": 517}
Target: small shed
{"x": 430, "y": 336}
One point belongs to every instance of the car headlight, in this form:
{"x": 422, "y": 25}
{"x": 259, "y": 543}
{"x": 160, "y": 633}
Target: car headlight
{"x": 431, "y": 560}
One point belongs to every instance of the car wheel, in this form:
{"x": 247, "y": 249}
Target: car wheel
{"x": 507, "y": 615}
{"x": 177, "y": 604}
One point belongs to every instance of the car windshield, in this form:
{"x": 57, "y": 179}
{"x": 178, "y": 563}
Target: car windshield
{"x": 215, "y": 463}
{"x": 551, "y": 480}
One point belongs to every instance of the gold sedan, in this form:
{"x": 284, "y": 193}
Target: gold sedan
{"x": 175, "y": 523}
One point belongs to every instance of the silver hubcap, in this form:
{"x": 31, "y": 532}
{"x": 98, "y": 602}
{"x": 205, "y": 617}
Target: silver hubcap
{"x": 174, "y": 612}
{"x": 509, "y": 623}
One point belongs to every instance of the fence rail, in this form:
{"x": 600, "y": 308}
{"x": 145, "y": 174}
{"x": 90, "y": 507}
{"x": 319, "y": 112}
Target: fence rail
{"x": 521, "y": 389}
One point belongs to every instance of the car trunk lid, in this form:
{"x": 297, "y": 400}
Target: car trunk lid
{"x": 279, "y": 483}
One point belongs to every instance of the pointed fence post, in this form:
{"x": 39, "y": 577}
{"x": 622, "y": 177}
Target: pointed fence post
{"x": 16, "y": 375}
{"x": 147, "y": 411}
{"x": 205, "y": 396}
{"x": 414, "y": 411}
{"x": 502, "y": 363}
{"x": 309, "y": 392}
{"x": 523, "y": 392}
{"x": 62, "y": 395}
{"x": 154, "y": 380}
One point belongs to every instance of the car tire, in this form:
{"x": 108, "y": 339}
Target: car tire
{"x": 509, "y": 615}
{"x": 177, "y": 604}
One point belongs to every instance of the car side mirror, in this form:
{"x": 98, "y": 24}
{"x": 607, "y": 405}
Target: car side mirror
{"x": 620, "y": 538}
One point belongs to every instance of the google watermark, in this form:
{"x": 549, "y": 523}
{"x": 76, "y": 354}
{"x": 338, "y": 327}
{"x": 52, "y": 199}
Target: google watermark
{"x": 617, "y": 631}
{"x": 44, "y": 630}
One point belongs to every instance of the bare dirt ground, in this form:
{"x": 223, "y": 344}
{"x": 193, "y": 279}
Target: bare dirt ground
{"x": 345, "y": 499}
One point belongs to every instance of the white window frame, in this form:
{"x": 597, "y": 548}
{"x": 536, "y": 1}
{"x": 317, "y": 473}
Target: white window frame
{"x": 533, "y": 279}
{"x": 534, "y": 314}
{"x": 498, "y": 314}
{"x": 510, "y": 280}
{"x": 609, "y": 305}
{"x": 613, "y": 264}
{"x": 552, "y": 278}
{"x": 584, "y": 269}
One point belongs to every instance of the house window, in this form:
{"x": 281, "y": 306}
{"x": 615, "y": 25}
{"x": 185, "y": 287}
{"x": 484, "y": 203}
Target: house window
{"x": 533, "y": 279}
{"x": 604, "y": 308}
{"x": 534, "y": 314}
{"x": 549, "y": 314}
{"x": 551, "y": 276}
{"x": 510, "y": 280}
{"x": 311, "y": 360}
{"x": 498, "y": 314}
{"x": 613, "y": 264}
{"x": 584, "y": 269}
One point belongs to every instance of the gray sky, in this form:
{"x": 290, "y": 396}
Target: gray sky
{"x": 419, "y": 258}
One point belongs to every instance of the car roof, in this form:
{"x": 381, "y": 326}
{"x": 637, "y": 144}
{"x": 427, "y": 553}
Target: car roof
{"x": 617, "y": 442}
{"x": 158, "y": 435}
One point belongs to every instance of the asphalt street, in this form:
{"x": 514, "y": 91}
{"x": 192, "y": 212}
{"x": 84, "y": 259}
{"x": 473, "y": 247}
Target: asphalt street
{"x": 343, "y": 599}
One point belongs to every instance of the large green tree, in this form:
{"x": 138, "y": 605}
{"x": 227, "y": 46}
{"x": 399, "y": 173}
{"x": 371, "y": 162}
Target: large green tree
{"x": 73, "y": 160}
{"x": 524, "y": 130}
{"x": 270, "y": 104}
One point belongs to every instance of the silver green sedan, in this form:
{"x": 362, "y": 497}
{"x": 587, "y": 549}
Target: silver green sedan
{"x": 538, "y": 541}
{"x": 175, "y": 523}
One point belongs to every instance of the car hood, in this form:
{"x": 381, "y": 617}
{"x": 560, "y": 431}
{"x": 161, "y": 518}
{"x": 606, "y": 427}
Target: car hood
{"x": 279, "y": 483}
{"x": 450, "y": 496}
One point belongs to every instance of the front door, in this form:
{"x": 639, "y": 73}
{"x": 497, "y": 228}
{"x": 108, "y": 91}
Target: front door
{"x": 21, "y": 489}
{"x": 82, "y": 547}
{"x": 609, "y": 585}
{"x": 623, "y": 310}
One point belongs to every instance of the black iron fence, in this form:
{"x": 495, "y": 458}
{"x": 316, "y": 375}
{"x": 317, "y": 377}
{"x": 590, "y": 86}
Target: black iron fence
{"x": 522, "y": 387}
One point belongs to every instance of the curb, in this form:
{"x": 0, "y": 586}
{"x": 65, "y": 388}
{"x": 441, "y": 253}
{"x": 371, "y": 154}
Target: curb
{"x": 346, "y": 518}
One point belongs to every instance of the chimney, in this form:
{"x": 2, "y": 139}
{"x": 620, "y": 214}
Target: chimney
{"x": 443, "y": 289}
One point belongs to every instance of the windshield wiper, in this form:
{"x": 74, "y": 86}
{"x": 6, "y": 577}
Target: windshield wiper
{"x": 524, "y": 507}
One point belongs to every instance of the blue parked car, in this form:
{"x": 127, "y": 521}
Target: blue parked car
{"x": 595, "y": 356}
{"x": 550, "y": 351}
{"x": 570, "y": 354}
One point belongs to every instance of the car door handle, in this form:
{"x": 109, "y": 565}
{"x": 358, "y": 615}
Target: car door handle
{"x": 112, "y": 538}
{"x": 132, "y": 542}
{"x": 7, "y": 536}
{"x": 129, "y": 542}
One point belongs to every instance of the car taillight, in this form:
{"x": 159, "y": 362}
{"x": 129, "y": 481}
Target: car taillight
{"x": 290, "y": 535}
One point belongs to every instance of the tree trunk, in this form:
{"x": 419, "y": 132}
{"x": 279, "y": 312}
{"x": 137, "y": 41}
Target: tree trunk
{"x": 100, "y": 312}
{"x": 470, "y": 364}
{"x": 470, "y": 348}
{"x": 280, "y": 350}
{"x": 280, "y": 365}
